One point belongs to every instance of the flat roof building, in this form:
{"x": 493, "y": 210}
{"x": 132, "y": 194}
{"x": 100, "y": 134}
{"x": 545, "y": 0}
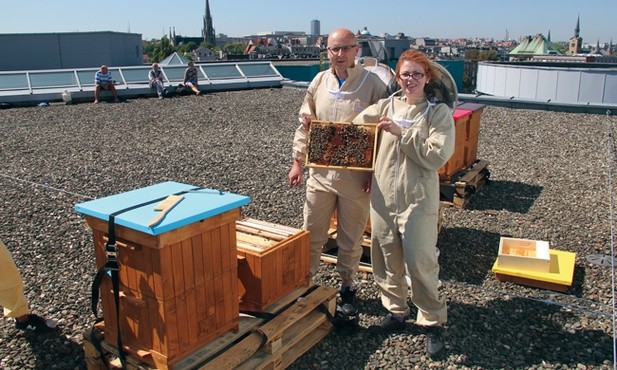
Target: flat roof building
{"x": 35, "y": 51}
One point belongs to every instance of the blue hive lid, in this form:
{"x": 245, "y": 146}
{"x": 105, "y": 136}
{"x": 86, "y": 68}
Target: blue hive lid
{"x": 197, "y": 205}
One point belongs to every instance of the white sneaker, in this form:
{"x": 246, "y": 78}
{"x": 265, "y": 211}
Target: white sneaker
{"x": 96, "y": 102}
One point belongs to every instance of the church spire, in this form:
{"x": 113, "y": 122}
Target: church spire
{"x": 208, "y": 31}
{"x": 577, "y": 30}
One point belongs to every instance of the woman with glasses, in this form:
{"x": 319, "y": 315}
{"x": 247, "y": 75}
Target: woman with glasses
{"x": 416, "y": 139}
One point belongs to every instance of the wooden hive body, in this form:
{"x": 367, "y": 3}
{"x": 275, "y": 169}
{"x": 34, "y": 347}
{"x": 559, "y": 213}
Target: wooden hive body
{"x": 273, "y": 260}
{"x": 176, "y": 294}
{"x": 472, "y": 132}
{"x": 457, "y": 160}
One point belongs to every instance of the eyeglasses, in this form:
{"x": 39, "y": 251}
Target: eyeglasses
{"x": 415, "y": 75}
{"x": 344, "y": 48}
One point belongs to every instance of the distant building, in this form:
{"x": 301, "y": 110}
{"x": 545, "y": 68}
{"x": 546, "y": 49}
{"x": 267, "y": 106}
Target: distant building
{"x": 424, "y": 43}
{"x": 32, "y": 51}
{"x": 207, "y": 32}
{"x": 385, "y": 48}
{"x": 315, "y": 28}
{"x": 203, "y": 54}
{"x": 531, "y": 47}
{"x": 575, "y": 41}
{"x": 304, "y": 51}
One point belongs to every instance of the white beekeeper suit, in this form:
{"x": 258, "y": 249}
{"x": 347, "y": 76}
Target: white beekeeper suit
{"x": 405, "y": 204}
{"x": 330, "y": 189}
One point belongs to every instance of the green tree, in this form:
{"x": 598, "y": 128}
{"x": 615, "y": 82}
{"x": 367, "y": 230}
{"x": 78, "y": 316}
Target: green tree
{"x": 149, "y": 48}
{"x": 488, "y": 55}
{"x": 186, "y": 48}
{"x": 472, "y": 54}
{"x": 209, "y": 46}
{"x": 162, "y": 49}
{"x": 234, "y": 48}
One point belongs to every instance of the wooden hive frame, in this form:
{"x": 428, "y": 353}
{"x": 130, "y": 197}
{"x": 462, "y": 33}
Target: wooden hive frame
{"x": 338, "y": 144}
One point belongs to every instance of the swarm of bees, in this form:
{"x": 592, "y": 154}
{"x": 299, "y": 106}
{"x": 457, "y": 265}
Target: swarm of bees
{"x": 340, "y": 144}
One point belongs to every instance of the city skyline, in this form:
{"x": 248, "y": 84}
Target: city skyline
{"x": 236, "y": 18}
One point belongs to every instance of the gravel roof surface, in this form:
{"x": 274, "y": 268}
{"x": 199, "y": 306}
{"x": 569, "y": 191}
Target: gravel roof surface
{"x": 549, "y": 181}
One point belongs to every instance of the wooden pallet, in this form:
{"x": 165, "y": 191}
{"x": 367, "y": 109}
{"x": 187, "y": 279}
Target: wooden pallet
{"x": 297, "y": 322}
{"x": 458, "y": 190}
{"x": 330, "y": 251}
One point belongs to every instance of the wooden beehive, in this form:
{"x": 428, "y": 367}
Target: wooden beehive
{"x": 341, "y": 145}
{"x": 457, "y": 161}
{"x": 178, "y": 289}
{"x": 473, "y": 131}
{"x": 524, "y": 254}
{"x": 273, "y": 260}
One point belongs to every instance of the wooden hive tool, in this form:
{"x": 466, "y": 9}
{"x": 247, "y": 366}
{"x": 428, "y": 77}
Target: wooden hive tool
{"x": 164, "y": 207}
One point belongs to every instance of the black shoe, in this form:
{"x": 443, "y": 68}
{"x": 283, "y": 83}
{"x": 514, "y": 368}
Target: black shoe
{"x": 434, "y": 342}
{"x": 37, "y": 324}
{"x": 388, "y": 324}
{"x": 347, "y": 305}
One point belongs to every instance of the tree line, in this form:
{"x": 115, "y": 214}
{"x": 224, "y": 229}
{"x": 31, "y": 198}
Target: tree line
{"x": 157, "y": 50}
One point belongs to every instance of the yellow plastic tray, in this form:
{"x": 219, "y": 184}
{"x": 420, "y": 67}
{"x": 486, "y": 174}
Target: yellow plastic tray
{"x": 561, "y": 271}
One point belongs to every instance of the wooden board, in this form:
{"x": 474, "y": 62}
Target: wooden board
{"x": 297, "y": 324}
{"x": 458, "y": 190}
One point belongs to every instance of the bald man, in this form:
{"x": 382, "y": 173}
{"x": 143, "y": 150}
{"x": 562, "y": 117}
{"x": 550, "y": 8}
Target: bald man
{"x": 337, "y": 94}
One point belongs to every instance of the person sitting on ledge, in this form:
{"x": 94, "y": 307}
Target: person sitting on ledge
{"x": 104, "y": 81}
{"x": 14, "y": 301}
{"x": 155, "y": 76}
{"x": 190, "y": 78}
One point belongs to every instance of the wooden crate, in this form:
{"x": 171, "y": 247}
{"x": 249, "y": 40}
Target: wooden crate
{"x": 298, "y": 323}
{"x": 330, "y": 145}
{"x": 457, "y": 161}
{"x": 177, "y": 292}
{"x": 273, "y": 260}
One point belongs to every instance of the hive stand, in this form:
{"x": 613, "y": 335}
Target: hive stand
{"x": 296, "y": 323}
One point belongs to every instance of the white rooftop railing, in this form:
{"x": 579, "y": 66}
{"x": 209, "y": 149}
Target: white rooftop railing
{"x": 23, "y": 87}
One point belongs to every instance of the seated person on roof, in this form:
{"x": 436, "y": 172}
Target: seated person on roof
{"x": 190, "y": 78}
{"x": 104, "y": 81}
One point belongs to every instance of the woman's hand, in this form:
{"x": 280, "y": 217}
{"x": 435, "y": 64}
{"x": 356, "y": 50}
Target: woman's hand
{"x": 390, "y": 126}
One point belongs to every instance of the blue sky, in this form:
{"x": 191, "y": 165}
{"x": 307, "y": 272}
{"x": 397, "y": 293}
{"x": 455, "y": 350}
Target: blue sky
{"x": 439, "y": 18}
